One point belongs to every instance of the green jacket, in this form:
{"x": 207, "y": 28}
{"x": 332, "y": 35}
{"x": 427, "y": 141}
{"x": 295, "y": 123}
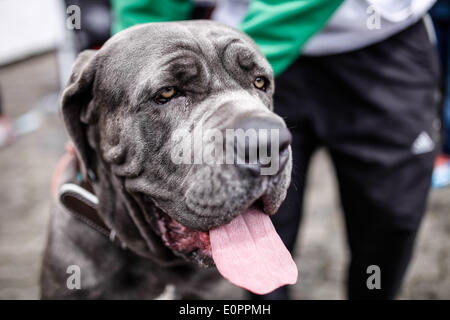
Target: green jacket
{"x": 279, "y": 27}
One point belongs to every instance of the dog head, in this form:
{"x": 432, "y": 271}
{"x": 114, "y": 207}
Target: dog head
{"x": 143, "y": 112}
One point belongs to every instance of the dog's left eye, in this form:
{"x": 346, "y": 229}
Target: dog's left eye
{"x": 260, "y": 83}
{"x": 165, "y": 94}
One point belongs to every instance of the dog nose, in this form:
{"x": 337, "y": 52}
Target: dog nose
{"x": 267, "y": 125}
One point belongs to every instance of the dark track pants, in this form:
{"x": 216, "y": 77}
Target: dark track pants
{"x": 368, "y": 109}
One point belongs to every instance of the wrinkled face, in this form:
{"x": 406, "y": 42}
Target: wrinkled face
{"x": 157, "y": 90}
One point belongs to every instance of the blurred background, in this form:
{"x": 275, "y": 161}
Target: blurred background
{"x": 37, "y": 49}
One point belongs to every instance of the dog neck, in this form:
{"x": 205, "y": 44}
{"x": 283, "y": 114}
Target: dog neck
{"x": 78, "y": 196}
{"x": 81, "y": 202}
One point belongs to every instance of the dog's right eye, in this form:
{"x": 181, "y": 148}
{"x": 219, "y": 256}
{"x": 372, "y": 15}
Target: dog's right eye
{"x": 165, "y": 94}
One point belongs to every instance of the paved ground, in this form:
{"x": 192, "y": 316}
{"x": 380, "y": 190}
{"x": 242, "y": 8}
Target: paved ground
{"x": 25, "y": 171}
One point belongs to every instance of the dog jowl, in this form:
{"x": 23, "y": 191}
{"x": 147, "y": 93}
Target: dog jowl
{"x": 124, "y": 109}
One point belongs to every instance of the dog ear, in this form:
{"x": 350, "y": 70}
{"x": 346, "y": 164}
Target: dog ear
{"x": 76, "y": 105}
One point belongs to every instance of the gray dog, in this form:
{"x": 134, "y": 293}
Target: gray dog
{"x": 120, "y": 108}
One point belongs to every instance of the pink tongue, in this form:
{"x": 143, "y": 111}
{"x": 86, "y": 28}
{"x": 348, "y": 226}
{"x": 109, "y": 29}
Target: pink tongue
{"x": 249, "y": 253}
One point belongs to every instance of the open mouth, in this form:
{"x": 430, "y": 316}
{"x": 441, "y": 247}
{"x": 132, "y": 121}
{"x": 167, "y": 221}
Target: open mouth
{"x": 189, "y": 242}
{"x": 185, "y": 241}
{"x": 247, "y": 251}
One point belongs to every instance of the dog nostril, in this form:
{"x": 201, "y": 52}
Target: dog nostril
{"x": 257, "y": 124}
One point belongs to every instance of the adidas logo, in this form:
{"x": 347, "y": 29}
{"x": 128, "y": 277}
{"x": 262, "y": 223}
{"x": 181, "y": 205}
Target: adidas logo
{"x": 422, "y": 144}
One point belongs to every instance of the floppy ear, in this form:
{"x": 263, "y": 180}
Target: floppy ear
{"x": 77, "y": 107}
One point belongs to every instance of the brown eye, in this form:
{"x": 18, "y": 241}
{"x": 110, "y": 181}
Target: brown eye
{"x": 166, "y": 94}
{"x": 260, "y": 83}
